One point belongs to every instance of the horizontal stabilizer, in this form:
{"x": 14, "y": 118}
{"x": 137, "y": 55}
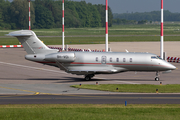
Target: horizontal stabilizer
{"x": 20, "y": 33}
{"x": 31, "y": 42}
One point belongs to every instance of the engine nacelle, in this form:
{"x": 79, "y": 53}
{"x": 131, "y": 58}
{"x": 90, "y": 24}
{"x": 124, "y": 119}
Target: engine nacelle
{"x": 61, "y": 57}
{"x": 35, "y": 57}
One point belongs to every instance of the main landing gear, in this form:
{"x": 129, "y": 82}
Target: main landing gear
{"x": 88, "y": 77}
{"x": 157, "y": 76}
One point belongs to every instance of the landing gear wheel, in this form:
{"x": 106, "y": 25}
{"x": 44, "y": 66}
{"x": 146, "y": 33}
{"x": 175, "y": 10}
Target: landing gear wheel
{"x": 87, "y": 78}
{"x": 156, "y": 78}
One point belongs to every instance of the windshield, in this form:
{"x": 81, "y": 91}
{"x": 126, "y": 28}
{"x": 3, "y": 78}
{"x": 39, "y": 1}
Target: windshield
{"x": 159, "y": 57}
{"x": 156, "y": 57}
{"x": 153, "y": 57}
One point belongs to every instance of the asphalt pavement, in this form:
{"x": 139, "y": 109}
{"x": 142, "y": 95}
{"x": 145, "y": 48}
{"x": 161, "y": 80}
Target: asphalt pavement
{"x": 26, "y": 82}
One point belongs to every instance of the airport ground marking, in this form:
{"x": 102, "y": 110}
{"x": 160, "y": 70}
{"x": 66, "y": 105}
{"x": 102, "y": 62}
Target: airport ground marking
{"x": 36, "y": 68}
{"x": 127, "y": 82}
{"x": 34, "y": 92}
{"x": 17, "y": 89}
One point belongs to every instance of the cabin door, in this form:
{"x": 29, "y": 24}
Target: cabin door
{"x": 103, "y": 60}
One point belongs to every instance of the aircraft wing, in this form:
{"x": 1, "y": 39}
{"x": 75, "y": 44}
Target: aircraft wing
{"x": 95, "y": 70}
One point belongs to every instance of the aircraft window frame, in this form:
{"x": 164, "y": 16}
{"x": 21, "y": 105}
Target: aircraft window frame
{"x": 159, "y": 58}
{"x": 117, "y": 59}
{"x": 110, "y": 60}
{"x": 124, "y": 59}
{"x": 130, "y": 59}
{"x": 103, "y": 60}
{"x": 153, "y": 57}
{"x": 96, "y": 59}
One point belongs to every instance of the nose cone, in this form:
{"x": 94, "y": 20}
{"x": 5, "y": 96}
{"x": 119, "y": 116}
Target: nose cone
{"x": 168, "y": 66}
{"x": 171, "y": 67}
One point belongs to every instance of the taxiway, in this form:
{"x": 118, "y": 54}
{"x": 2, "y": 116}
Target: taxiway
{"x": 21, "y": 77}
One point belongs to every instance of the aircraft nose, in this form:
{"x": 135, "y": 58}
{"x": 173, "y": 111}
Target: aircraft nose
{"x": 172, "y": 67}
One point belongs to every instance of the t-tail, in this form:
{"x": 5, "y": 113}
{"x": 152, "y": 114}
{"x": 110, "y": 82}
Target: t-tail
{"x": 31, "y": 43}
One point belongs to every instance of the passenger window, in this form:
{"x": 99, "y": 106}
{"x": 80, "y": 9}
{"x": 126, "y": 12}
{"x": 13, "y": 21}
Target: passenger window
{"x": 130, "y": 60}
{"x": 117, "y": 59}
{"x": 96, "y": 59}
{"x": 110, "y": 60}
{"x": 124, "y": 59}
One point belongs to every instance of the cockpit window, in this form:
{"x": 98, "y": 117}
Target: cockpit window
{"x": 156, "y": 57}
{"x": 153, "y": 57}
{"x": 159, "y": 57}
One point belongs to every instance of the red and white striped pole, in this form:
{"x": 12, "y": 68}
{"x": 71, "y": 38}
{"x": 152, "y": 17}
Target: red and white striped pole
{"x": 162, "y": 37}
{"x": 63, "y": 25}
{"x": 29, "y": 14}
{"x": 106, "y": 25}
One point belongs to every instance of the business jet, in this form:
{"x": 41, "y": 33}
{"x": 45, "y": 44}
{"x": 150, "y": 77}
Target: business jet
{"x": 90, "y": 63}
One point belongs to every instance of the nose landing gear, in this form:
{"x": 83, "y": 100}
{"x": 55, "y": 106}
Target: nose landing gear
{"x": 157, "y": 76}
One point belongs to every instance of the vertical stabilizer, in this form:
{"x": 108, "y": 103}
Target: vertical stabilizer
{"x": 31, "y": 43}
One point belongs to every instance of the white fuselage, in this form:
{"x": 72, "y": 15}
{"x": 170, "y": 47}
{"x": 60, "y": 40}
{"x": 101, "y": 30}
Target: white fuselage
{"x": 82, "y": 63}
{"x": 89, "y": 63}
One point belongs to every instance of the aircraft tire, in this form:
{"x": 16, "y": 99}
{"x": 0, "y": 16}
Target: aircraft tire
{"x": 87, "y": 78}
{"x": 156, "y": 78}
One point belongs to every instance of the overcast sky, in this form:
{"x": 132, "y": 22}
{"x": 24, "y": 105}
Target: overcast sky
{"x": 124, "y": 6}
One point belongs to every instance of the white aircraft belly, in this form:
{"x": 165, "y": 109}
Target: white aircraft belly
{"x": 95, "y": 70}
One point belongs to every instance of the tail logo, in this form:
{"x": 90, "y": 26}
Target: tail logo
{"x": 41, "y": 47}
{"x": 38, "y": 47}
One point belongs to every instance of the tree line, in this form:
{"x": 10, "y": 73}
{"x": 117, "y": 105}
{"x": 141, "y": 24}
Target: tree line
{"x": 48, "y": 14}
{"x": 148, "y": 16}
{"x": 119, "y": 21}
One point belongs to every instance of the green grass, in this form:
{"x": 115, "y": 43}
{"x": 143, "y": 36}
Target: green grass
{"x": 169, "y": 29}
{"x": 91, "y": 40}
{"x": 137, "y": 88}
{"x": 9, "y": 41}
{"x": 80, "y": 35}
{"x": 150, "y": 29}
{"x": 89, "y": 112}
